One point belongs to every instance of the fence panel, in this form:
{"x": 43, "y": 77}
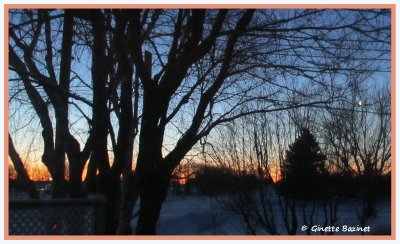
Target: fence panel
{"x": 56, "y": 217}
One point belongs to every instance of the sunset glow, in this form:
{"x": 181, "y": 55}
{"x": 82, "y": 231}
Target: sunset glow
{"x": 228, "y": 120}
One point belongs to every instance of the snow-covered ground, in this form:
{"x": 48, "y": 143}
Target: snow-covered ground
{"x": 202, "y": 215}
{"x": 196, "y": 215}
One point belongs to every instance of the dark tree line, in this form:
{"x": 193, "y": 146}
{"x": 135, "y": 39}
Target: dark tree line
{"x": 164, "y": 79}
{"x": 277, "y": 182}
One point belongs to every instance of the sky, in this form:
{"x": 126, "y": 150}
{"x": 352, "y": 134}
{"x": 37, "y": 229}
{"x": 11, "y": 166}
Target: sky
{"x": 196, "y": 1}
{"x": 27, "y": 133}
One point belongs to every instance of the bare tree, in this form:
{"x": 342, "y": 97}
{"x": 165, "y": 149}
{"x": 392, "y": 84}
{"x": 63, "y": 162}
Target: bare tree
{"x": 171, "y": 77}
{"x": 358, "y": 137}
{"x": 22, "y": 56}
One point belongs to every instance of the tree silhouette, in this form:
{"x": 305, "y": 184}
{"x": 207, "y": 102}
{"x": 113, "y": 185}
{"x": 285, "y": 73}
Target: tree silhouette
{"x": 303, "y": 166}
{"x": 156, "y": 82}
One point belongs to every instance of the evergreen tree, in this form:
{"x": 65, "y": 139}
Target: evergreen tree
{"x": 303, "y": 167}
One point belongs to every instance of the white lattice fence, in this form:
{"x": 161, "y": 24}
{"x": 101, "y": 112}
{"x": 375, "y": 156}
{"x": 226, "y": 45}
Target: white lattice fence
{"x": 56, "y": 217}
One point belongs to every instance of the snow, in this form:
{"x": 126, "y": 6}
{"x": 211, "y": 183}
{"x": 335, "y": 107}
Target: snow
{"x": 203, "y": 215}
{"x": 196, "y": 215}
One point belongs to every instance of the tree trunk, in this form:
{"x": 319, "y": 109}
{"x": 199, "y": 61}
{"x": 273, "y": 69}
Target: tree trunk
{"x": 129, "y": 196}
{"x": 112, "y": 204}
{"x": 77, "y": 161}
{"x": 59, "y": 185}
{"x": 152, "y": 197}
{"x": 19, "y": 167}
{"x": 100, "y": 112}
{"x": 90, "y": 179}
{"x": 75, "y": 176}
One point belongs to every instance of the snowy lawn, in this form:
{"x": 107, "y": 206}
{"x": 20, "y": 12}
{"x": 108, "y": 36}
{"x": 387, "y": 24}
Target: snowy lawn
{"x": 202, "y": 215}
{"x": 196, "y": 215}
